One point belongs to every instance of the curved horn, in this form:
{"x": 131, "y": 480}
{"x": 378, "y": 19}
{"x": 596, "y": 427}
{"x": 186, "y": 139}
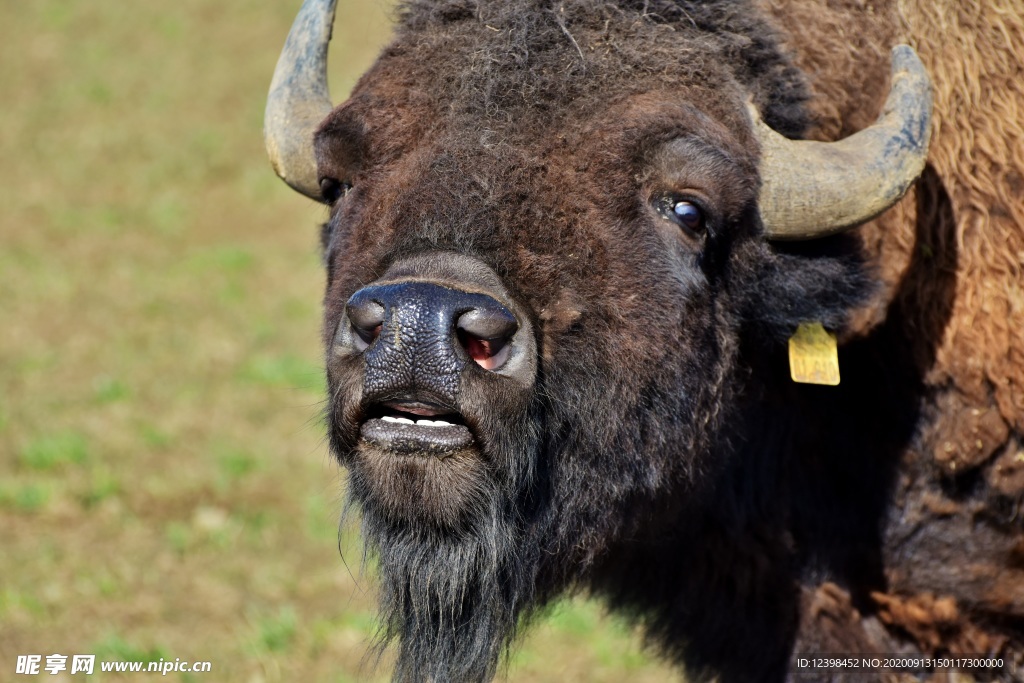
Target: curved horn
{"x": 811, "y": 189}
{"x": 299, "y": 99}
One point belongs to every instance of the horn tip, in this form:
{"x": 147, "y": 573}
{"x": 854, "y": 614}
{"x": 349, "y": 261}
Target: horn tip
{"x": 903, "y": 52}
{"x": 904, "y": 60}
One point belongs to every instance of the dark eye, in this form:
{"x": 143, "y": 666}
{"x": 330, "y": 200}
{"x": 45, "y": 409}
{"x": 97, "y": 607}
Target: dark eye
{"x": 332, "y": 189}
{"x": 689, "y": 215}
{"x": 684, "y": 213}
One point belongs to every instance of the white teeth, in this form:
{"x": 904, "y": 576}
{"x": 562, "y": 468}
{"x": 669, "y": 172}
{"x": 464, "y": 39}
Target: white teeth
{"x": 421, "y": 423}
{"x": 433, "y": 423}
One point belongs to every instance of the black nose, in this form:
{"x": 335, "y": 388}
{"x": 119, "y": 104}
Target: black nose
{"x": 425, "y": 327}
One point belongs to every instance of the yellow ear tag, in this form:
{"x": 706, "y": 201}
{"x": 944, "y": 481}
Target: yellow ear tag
{"x": 813, "y": 355}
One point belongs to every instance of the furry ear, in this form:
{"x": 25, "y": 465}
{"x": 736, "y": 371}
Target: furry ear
{"x": 793, "y": 282}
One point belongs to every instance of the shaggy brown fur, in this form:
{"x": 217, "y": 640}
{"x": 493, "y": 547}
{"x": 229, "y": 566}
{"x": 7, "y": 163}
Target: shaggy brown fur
{"x": 958, "y": 540}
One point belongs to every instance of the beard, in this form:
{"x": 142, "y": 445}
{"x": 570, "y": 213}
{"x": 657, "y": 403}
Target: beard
{"x": 450, "y": 597}
{"x": 458, "y": 546}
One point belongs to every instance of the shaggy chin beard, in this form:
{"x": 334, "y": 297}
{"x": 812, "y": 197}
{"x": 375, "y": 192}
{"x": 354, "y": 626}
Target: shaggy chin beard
{"x": 451, "y": 596}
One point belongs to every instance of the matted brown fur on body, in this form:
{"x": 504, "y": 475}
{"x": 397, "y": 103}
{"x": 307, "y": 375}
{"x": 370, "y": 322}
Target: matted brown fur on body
{"x": 955, "y": 539}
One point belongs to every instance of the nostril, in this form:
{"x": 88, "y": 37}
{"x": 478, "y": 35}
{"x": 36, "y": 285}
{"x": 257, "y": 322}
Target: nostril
{"x": 490, "y": 354}
{"x": 367, "y": 319}
{"x": 365, "y": 337}
{"x": 484, "y": 333}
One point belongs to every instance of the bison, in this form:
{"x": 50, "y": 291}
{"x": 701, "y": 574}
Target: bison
{"x": 569, "y": 246}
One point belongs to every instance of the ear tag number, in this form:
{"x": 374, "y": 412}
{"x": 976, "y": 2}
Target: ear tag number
{"x": 813, "y": 355}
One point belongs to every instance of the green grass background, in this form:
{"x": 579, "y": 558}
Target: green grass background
{"x": 164, "y": 486}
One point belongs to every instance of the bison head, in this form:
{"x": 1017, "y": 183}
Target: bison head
{"x": 550, "y": 285}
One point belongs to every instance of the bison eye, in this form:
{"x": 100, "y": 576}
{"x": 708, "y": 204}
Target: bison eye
{"x": 689, "y": 215}
{"x": 683, "y": 212}
{"x": 332, "y": 189}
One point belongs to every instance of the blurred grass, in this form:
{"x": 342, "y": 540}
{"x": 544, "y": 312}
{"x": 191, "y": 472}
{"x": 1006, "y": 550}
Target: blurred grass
{"x": 164, "y": 487}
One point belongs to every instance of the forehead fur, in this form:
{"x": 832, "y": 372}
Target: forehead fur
{"x": 520, "y": 66}
{"x": 510, "y": 69}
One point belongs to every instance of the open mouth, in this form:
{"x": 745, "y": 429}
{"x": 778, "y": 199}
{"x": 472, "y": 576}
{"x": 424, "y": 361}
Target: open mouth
{"x": 416, "y": 428}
